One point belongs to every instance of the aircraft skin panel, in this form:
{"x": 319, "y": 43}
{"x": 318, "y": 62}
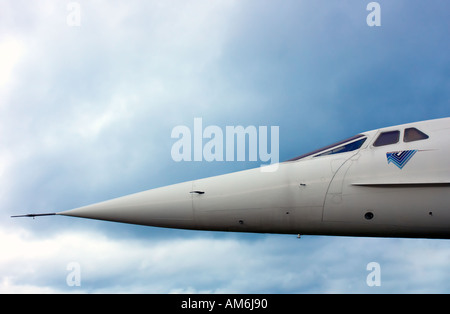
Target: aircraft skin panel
{"x": 255, "y": 201}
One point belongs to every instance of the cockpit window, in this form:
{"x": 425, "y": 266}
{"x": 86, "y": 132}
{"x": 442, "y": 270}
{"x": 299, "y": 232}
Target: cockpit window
{"x": 413, "y": 134}
{"x": 344, "y": 148}
{"x": 346, "y": 145}
{"x": 387, "y": 138}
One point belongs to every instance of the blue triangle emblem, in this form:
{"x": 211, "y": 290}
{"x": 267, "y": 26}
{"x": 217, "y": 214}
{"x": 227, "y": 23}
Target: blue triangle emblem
{"x": 401, "y": 158}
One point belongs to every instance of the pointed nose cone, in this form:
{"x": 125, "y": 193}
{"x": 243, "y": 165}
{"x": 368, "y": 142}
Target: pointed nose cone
{"x": 169, "y": 206}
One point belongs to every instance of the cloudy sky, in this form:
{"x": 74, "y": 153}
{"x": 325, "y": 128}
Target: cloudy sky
{"x": 89, "y": 94}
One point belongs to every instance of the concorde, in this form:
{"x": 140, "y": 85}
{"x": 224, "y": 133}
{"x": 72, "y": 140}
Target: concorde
{"x": 390, "y": 182}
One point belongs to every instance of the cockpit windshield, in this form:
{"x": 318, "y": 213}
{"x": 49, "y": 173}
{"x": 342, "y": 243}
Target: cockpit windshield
{"x": 347, "y": 145}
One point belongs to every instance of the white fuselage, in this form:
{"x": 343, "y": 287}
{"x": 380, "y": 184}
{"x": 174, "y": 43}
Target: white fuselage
{"x": 399, "y": 187}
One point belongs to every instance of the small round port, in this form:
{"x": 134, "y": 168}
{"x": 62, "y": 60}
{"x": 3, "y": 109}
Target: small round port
{"x": 368, "y": 215}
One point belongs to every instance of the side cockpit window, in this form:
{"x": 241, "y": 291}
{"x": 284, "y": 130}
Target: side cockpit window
{"x": 348, "y": 145}
{"x": 344, "y": 148}
{"x": 413, "y": 134}
{"x": 387, "y": 138}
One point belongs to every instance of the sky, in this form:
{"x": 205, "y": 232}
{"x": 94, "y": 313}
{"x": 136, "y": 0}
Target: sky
{"x": 91, "y": 90}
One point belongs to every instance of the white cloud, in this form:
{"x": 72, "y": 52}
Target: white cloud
{"x": 11, "y": 51}
{"x": 90, "y": 122}
{"x": 34, "y": 263}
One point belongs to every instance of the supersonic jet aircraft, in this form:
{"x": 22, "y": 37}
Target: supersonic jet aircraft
{"x": 391, "y": 182}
